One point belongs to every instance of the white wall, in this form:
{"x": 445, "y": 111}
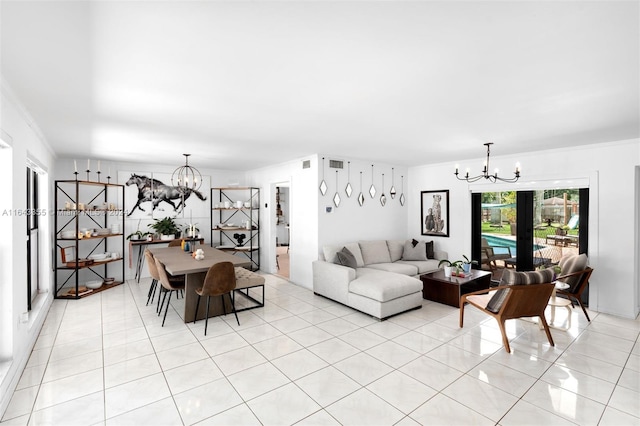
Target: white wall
{"x": 17, "y": 335}
{"x": 608, "y": 168}
{"x": 352, "y": 222}
{"x": 303, "y": 216}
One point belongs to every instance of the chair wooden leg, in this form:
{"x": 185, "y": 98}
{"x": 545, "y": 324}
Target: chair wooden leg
{"x": 505, "y": 340}
{"x": 543, "y": 320}
{"x": 206, "y": 318}
{"x": 195, "y": 315}
{"x": 167, "y": 308}
{"x": 583, "y": 309}
{"x": 462, "y": 303}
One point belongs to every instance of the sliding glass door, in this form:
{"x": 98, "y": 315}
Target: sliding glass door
{"x": 529, "y": 229}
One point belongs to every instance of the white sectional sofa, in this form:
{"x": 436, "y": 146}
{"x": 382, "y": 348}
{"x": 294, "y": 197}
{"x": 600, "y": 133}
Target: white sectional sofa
{"x": 382, "y": 277}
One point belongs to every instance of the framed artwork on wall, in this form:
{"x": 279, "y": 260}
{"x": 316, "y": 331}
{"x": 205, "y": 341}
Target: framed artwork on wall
{"x": 434, "y": 213}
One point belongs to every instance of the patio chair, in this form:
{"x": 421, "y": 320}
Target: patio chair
{"x": 488, "y": 256}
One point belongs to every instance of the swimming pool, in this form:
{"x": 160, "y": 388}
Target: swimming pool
{"x": 496, "y": 241}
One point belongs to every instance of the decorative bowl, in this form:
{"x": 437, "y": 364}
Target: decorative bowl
{"x": 95, "y": 284}
{"x": 101, "y": 256}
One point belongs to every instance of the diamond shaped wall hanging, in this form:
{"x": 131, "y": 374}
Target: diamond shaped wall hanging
{"x": 372, "y": 189}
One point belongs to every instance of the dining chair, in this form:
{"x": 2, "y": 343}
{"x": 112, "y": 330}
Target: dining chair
{"x": 220, "y": 280}
{"x": 153, "y": 271}
{"x": 169, "y": 286}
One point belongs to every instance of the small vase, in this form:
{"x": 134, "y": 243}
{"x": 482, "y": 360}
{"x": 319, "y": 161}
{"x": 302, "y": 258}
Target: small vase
{"x": 466, "y": 267}
{"x": 447, "y": 271}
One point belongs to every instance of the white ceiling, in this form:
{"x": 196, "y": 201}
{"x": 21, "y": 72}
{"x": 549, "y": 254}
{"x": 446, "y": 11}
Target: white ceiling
{"x": 241, "y": 85}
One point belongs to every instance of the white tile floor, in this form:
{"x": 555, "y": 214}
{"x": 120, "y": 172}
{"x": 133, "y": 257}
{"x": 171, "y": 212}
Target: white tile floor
{"x": 303, "y": 359}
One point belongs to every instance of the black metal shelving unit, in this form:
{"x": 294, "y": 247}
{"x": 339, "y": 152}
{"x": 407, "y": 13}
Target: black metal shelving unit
{"x": 92, "y": 205}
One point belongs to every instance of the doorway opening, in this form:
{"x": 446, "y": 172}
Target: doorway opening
{"x": 283, "y": 230}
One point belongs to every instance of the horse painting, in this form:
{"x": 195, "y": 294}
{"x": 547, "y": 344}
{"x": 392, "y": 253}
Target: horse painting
{"x": 155, "y": 191}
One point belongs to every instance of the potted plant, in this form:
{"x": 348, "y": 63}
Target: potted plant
{"x": 449, "y": 265}
{"x": 166, "y": 227}
{"x": 466, "y": 264}
{"x": 138, "y": 235}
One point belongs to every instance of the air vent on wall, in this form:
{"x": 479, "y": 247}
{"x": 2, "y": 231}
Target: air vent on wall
{"x": 306, "y": 164}
{"x": 336, "y": 164}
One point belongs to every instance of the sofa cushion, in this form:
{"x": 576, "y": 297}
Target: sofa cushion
{"x": 510, "y": 277}
{"x": 374, "y": 252}
{"x": 346, "y": 258}
{"x": 417, "y": 251}
{"x": 331, "y": 250}
{"x": 396, "y": 248}
{"x": 397, "y": 267}
{"x": 423, "y": 266}
{"x": 430, "y": 252}
{"x": 382, "y": 285}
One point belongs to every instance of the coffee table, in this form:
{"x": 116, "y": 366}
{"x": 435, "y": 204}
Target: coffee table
{"x": 447, "y": 290}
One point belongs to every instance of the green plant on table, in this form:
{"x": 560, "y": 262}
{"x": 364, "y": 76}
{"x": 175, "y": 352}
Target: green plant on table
{"x": 165, "y": 226}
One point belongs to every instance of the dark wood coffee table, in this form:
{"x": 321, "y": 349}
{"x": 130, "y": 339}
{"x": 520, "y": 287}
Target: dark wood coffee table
{"x": 437, "y": 287}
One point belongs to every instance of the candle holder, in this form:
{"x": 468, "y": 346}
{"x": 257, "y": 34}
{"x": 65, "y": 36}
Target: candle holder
{"x": 108, "y": 179}
{"x": 98, "y": 172}
{"x": 88, "y": 171}
{"x": 76, "y": 174}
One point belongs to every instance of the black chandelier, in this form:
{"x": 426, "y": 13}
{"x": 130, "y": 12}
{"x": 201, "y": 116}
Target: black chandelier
{"x": 485, "y": 172}
{"x": 187, "y": 177}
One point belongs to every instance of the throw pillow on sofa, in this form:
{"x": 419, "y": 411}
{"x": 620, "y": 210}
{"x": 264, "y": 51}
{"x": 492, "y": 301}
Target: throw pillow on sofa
{"x": 345, "y": 258}
{"x": 374, "y": 252}
{"x": 510, "y": 277}
{"x": 414, "y": 252}
{"x": 430, "y": 253}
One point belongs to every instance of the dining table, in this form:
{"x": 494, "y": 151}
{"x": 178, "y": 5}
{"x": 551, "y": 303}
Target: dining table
{"x": 178, "y": 262}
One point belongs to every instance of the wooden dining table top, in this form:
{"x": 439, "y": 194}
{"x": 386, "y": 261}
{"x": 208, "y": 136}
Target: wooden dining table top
{"x": 178, "y": 262}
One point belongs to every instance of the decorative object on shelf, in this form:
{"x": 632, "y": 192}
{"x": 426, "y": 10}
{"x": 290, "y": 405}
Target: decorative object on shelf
{"x": 138, "y": 234}
{"x": 361, "y": 196}
{"x": 434, "y": 213}
{"x": 372, "y": 189}
{"x": 485, "y": 171}
{"x": 402, "y": 191}
{"x": 348, "y": 190}
{"x": 323, "y": 184}
{"x": 239, "y": 237}
{"x": 392, "y": 191}
{"x": 187, "y": 177}
{"x": 383, "y": 198}
{"x": 336, "y": 197}
{"x": 68, "y": 254}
